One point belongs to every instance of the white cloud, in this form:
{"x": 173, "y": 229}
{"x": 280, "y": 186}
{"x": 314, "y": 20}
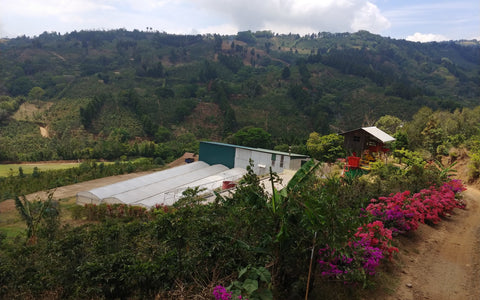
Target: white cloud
{"x": 369, "y": 18}
{"x": 457, "y": 19}
{"x": 2, "y": 32}
{"x": 220, "y": 29}
{"x": 147, "y": 5}
{"x": 300, "y": 16}
{"x": 53, "y": 7}
{"x": 426, "y": 37}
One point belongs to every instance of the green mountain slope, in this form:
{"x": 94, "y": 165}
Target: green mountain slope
{"x": 132, "y": 85}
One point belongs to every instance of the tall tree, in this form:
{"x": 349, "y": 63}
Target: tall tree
{"x": 325, "y": 148}
{"x": 252, "y": 137}
{"x": 389, "y": 124}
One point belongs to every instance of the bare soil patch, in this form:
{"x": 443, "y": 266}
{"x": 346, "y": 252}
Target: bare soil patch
{"x": 30, "y": 111}
{"x": 181, "y": 161}
{"x": 44, "y": 132}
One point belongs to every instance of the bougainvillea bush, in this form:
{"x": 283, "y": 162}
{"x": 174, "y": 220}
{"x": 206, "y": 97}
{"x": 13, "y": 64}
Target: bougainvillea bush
{"x": 361, "y": 256}
{"x": 397, "y": 213}
{"x": 221, "y": 293}
{"x": 402, "y": 212}
{"x": 376, "y": 235}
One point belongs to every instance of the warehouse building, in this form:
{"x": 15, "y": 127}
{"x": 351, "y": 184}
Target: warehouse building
{"x": 164, "y": 187}
{"x": 234, "y": 156}
{"x": 219, "y": 166}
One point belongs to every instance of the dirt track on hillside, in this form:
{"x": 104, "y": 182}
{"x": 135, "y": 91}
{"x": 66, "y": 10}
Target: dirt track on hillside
{"x": 442, "y": 262}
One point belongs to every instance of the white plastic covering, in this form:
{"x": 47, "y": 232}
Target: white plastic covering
{"x": 164, "y": 187}
{"x": 207, "y": 184}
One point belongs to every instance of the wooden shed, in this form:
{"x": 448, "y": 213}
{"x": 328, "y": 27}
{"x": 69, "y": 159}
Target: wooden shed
{"x": 366, "y": 138}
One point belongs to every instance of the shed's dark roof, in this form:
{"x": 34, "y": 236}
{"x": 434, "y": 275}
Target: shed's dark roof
{"x": 259, "y": 150}
{"x": 374, "y": 131}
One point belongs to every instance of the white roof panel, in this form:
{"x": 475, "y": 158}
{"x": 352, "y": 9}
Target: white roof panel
{"x": 209, "y": 183}
{"x": 379, "y": 134}
{"x": 135, "y": 183}
{"x": 168, "y": 185}
{"x": 164, "y": 187}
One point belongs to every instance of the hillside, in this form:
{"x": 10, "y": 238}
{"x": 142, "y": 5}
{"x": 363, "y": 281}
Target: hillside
{"x": 153, "y": 86}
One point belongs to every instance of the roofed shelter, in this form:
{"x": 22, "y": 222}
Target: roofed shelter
{"x": 234, "y": 156}
{"x": 163, "y": 187}
{"x": 366, "y": 138}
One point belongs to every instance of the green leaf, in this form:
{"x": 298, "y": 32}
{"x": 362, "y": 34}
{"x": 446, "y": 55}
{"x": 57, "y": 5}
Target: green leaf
{"x": 282, "y": 233}
{"x": 243, "y": 271}
{"x": 264, "y": 294}
{"x": 250, "y": 286}
{"x": 302, "y": 174}
{"x": 264, "y": 274}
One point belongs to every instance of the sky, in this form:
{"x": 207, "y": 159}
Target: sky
{"x": 420, "y": 20}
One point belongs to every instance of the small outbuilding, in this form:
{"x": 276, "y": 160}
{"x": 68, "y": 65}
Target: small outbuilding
{"x": 234, "y": 156}
{"x": 366, "y": 138}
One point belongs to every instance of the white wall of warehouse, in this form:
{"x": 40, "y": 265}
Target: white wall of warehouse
{"x": 262, "y": 161}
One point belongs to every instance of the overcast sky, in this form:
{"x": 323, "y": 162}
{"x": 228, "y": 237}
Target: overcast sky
{"x": 416, "y": 20}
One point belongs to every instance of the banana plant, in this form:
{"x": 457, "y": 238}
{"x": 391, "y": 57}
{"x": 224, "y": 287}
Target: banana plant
{"x": 279, "y": 197}
{"x": 445, "y": 171}
{"x": 34, "y": 212}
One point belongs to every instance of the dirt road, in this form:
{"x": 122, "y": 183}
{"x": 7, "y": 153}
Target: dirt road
{"x": 443, "y": 262}
{"x": 72, "y": 190}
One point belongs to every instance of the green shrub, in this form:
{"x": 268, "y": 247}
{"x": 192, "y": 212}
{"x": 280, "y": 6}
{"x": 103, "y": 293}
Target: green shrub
{"x": 133, "y": 253}
{"x": 77, "y": 212}
{"x": 474, "y": 166}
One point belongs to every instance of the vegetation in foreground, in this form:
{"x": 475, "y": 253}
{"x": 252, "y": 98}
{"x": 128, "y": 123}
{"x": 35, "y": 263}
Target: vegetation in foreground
{"x": 117, "y": 94}
{"x": 249, "y": 243}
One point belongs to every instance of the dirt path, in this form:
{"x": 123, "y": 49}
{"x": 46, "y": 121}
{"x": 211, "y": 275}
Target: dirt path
{"x": 442, "y": 262}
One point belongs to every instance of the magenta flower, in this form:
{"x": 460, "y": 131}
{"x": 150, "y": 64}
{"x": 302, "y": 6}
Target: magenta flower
{"x": 221, "y": 293}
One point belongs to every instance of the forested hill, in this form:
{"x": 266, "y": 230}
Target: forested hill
{"x": 144, "y": 85}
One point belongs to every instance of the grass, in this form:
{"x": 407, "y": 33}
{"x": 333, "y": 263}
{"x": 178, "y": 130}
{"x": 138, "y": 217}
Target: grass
{"x": 13, "y": 230}
{"x": 13, "y": 169}
{"x": 12, "y": 225}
